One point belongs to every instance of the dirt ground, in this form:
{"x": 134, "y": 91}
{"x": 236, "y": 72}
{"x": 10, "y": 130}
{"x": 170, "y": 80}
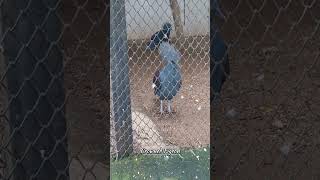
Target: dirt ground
{"x": 268, "y": 125}
{"x": 274, "y": 133}
{"x": 86, "y": 85}
{"x": 188, "y": 126}
{"x": 86, "y": 80}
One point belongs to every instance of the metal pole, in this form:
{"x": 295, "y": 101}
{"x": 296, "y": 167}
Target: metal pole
{"x": 120, "y": 79}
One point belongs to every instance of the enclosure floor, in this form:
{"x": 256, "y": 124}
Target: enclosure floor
{"x": 86, "y": 81}
{"x": 86, "y": 111}
{"x": 188, "y": 126}
{"x": 275, "y": 130}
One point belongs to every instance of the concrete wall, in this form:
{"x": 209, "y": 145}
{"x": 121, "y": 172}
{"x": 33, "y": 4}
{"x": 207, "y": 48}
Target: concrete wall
{"x": 144, "y": 17}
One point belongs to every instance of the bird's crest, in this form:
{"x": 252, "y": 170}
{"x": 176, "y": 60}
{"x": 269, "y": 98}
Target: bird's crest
{"x": 167, "y": 26}
{"x": 160, "y": 36}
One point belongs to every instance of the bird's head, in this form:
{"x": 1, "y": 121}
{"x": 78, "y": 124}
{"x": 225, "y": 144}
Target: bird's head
{"x": 166, "y": 28}
{"x": 161, "y": 36}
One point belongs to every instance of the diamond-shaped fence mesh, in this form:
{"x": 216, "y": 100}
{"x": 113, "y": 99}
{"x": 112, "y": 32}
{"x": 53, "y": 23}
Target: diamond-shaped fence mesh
{"x": 267, "y": 125}
{"x": 53, "y": 103}
{"x": 53, "y": 98}
{"x": 137, "y": 121}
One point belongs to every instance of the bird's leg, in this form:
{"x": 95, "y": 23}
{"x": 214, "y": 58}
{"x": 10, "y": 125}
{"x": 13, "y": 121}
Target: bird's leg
{"x": 169, "y": 106}
{"x": 161, "y": 106}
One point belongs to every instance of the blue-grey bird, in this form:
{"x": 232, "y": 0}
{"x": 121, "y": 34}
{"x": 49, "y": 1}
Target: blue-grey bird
{"x": 167, "y": 81}
{"x": 219, "y": 65}
{"x": 157, "y": 37}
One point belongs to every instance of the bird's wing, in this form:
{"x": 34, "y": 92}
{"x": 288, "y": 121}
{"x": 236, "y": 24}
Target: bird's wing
{"x": 156, "y": 80}
{"x": 154, "y": 36}
{"x": 154, "y": 41}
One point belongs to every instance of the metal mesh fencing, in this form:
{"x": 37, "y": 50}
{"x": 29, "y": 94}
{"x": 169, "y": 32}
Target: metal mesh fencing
{"x": 53, "y": 104}
{"x": 136, "y": 119}
{"x": 267, "y": 126}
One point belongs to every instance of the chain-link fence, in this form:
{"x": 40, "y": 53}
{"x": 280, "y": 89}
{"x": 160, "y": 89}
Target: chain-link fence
{"x": 53, "y": 103}
{"x": 267, "y": 126}
{"x": 136, "y": 119}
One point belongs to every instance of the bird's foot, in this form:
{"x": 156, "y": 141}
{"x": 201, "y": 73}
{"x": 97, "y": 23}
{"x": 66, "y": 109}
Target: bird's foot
{"x": 172, "y": 112}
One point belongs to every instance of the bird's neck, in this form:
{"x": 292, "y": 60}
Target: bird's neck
{"x": 165, "y": 42}
{"x": 166, "y": 31}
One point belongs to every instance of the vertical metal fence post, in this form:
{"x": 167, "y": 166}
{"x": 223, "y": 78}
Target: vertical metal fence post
{"x": 5, "y": 160}
{"x": 213, "y": 109}
{"x": 35, "y": 89}
{"x": 120, "y": 79}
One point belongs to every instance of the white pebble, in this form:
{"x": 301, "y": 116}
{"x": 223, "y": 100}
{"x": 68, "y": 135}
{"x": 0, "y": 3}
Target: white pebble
{"x": 197, "y": 100}
{"x": 278, "y": 124}
{"x": 261, "y": 77}
{"x": 182, "y": 97}
{"x": 199, "y": 108}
